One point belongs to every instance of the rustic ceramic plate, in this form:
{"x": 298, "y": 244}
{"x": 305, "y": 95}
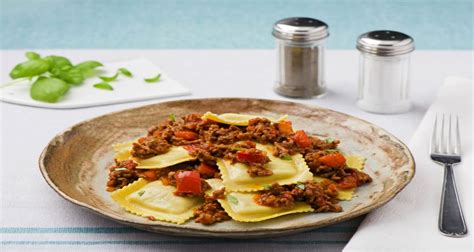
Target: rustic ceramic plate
{"x": 75, "y": 163}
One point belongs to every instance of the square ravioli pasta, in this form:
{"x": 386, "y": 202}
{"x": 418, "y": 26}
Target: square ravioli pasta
{"x": 242, "y": 206}
{"x": 285, "y": 171}
{"x": 153, "y": 199}
{"x": 175, "y": 155}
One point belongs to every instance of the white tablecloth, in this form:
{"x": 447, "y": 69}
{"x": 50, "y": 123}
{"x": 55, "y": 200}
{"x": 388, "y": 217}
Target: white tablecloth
{"x": 33, "y": 216}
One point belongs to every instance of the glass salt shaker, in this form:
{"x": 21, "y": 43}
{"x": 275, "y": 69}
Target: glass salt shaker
{"x": 300, "y": 57}
{"x": 384, "y": 71}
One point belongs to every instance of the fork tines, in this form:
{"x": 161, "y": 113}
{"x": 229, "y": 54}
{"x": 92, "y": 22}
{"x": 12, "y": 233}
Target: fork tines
{"x": 442, "y": 141}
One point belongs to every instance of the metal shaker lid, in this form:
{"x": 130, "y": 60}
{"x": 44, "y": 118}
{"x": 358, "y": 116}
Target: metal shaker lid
{"x": 385, "y": 43}
{"x": 300, "y": 29}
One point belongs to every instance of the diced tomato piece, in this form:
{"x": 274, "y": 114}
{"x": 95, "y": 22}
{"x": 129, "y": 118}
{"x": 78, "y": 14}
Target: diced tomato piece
{"x": 150, "y": 175}
{"x": 206, "y": 170}
{"x": 191, "y": 147}
{"x": 301, "y": 139}
{"x": 251, "y": 157}
{"x": 250, "y": 144}
{"x": 348, "y": 182}
{"x": 333, "y": 160}
{"x": 285, "y": 127}
{"x": 186, "y": 135}
{"x": 188, "y": 182}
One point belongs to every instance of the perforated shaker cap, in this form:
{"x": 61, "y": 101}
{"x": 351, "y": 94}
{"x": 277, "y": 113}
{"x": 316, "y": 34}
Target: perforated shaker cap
{"x": 300, "y": 29}
{"x": 385, "y": 43}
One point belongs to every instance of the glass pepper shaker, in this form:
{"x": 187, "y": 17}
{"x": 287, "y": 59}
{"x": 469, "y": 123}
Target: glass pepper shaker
{"x": 384, "y": 71}
{"x": 300, "y": 57}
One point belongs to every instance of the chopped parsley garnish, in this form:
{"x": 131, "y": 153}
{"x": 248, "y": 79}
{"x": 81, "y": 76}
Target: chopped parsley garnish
{"x": 329, "y": 140}
{"x": 286, "y": 157}
{"x": 267, "y": 187}
{"x": 232, "y": 199}
{"x": 140, "y": 193}
{"x": 331, "y": 150}
{"x": 172, "y": 117}
{"x": 301, "y": 186}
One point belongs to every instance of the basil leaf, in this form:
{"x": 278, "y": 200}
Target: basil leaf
{"x": 154, "y": 79}
{"x": 48, "y": 89}
{"x": 111, "y": 78}
{"x": 125, "y": 72}
{"x": 88, "y": 65}
{"x": 32, "y": 55}
{"x": 104, "y": 85}
{"x": 72, "y": 76}
{"x": 29, "y": 68}
{"x": 329, "y": 140}
{"x": 286, "y": 157}
{"x": 57, "y": 63}
{"x": 232, "y": 199}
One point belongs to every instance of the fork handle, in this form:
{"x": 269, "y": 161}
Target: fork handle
{"x": 451, "y": 218}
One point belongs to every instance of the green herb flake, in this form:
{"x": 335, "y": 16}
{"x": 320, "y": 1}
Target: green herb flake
{"x": 108, "y": 79}
{"x": 301, "y": 186}
{"x": 125, "y": 72}
{"x": 140, "y": 193}
{"x": 236, "y": 149}
{"x": 329, "y": 140}
{"x": 32, "y": 55}
{"x": 172, "y": 117}
{"x": 286, "y": 157}
{"x": 232, "y": 199}
{"x": 267, "y": 187}
{"x": 104, "y": 86}
{"x": 154, "y": 79}
{"x": 331, "y": 150}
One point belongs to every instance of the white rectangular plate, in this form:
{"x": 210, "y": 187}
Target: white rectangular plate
{"x": 125, "y": 89}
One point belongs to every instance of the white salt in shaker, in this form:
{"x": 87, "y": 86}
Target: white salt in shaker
{"x": 384, "y": 69}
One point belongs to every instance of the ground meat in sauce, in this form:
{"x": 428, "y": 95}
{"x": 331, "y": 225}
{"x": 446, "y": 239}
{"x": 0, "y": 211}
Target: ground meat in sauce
{"x": 121, "y": 174}
{"x": 211, "y": 211}
{"x": 210, "y": 140}
{"x": 321, "y": 196}
{"x": 149, "y": 146}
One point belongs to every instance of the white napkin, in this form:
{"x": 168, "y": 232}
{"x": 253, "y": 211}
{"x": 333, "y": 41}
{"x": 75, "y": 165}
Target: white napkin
{"x": 410, "y": 221}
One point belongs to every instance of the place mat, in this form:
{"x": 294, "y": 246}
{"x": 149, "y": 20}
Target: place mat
{"x": 410, "y": 221}
{"x": 125, "y": 89}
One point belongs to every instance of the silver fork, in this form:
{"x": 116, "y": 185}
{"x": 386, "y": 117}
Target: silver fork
{"x": 445, "y": 149}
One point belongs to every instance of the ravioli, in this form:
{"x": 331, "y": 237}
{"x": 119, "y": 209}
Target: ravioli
{"x": 236, "y": 178}
{"x": 238, "y": 119}
{"x": 122, "y": 150}
{"x": 355, "y": 162}
{"x": 242, "y": 207}
{"x": 175, "y": 155}
{"x": 154, "y": 199}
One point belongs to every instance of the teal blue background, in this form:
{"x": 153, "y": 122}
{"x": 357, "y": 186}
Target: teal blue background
{"x": 224, "y": 24}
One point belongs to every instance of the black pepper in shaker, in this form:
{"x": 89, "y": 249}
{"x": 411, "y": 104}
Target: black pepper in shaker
{"x": 300, "y": 52}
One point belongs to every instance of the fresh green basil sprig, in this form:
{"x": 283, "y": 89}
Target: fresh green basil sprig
{"x": 52, "y": 76}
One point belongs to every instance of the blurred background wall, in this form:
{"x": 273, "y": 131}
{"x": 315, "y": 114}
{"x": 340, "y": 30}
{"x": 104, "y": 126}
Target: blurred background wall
{"x": 224, "y": 24}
